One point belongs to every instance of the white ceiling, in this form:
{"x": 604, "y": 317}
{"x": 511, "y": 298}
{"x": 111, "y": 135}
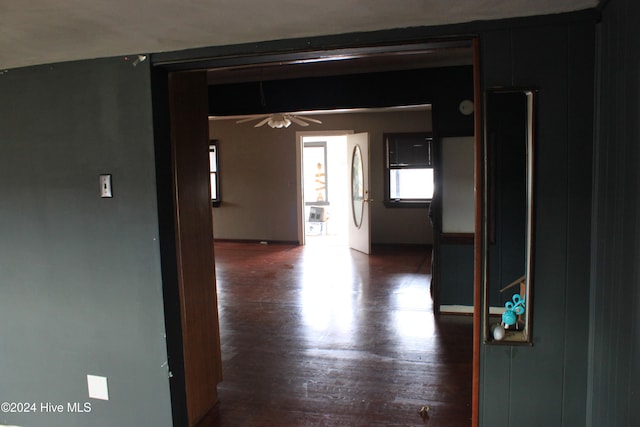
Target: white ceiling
{"x": 47, "y": 31}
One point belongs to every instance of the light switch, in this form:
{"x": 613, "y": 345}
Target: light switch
{"x": 98, "y": 388}
{"x": 105, "y": 186}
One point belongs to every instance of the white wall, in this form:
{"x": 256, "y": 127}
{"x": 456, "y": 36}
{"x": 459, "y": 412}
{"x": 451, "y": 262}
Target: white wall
{"x": 458, "y": 214}
{"x": 258, "y": 178}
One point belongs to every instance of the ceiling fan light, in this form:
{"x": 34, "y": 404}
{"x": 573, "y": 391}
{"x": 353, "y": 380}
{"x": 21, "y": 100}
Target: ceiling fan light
{"x": 279, "y": 121}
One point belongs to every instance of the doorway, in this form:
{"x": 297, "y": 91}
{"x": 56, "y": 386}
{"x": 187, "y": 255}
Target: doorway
{"x": 324, "y": 181}
{"x": 255, "y": 62}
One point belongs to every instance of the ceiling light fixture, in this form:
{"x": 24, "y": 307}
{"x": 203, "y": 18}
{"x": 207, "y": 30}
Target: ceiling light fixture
{"x": 280, "y": 120}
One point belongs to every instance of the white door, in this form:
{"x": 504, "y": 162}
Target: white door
{"x": 359, "y": 205}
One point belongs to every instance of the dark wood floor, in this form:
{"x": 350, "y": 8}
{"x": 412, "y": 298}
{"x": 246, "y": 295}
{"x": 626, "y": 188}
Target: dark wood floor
{"x": 326, "y": 336}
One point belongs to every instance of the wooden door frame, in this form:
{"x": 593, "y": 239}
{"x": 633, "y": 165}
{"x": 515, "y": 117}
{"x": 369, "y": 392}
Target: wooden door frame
{"x": 477, "y": 241}
{"x": 248, "y": 60}
{"x": 186, "y": 243}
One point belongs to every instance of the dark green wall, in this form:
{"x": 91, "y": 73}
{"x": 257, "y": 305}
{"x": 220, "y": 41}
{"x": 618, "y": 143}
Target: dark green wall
{"x": 545, "y": 384}
{"x": 80, "y": 277}
{"x": 456, "y": 274}
{"x": 614, "y": 359}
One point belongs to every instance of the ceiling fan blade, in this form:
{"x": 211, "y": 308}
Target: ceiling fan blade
{"x": 248, "y": 119}
{"x": 297, "y": 121}
{"x": 309, "y": 119}
{"x": 262, "y": 122}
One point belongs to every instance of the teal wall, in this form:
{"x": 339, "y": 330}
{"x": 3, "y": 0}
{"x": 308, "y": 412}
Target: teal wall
{"x": 614, "y": 359}
{"x": 80, "y": 277}
{"x": 545, "y": 384}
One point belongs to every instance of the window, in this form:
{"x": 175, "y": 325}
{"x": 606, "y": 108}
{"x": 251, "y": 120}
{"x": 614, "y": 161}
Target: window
{"x": 408, "y": 169}
{"x": 315, "y": 174}
{"x": 213, "y": 173}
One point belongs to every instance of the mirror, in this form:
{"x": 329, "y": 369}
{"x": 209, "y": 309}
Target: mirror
{"x": 357, "y": 187}
{"x": 508, "y": 207}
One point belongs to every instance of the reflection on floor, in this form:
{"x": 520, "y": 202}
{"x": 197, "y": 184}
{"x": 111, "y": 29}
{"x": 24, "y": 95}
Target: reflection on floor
{"x": 326, "y": 336}
{"x": 326, "y": 240}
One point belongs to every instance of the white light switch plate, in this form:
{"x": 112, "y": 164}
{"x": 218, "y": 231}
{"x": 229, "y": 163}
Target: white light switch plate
{"x": 105, "y": 186}
{"x": 98, "y": 388}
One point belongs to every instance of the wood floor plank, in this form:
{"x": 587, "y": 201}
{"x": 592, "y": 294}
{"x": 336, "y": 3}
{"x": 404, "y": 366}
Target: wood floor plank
{"x": 326, "y": 336}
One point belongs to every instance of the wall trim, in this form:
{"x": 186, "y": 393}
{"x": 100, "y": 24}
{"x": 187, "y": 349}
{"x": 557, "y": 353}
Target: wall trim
{"x": 254, "y": 52}
{"x": 467, "y": 309}
{"x": 257, "y": 241}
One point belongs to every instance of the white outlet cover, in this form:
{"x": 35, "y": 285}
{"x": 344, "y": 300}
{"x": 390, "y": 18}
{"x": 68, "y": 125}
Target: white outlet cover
{"x": 98, "y": 388}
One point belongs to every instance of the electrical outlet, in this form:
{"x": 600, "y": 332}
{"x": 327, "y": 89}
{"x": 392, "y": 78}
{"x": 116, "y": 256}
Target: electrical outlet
{"x": 98, "y": 388}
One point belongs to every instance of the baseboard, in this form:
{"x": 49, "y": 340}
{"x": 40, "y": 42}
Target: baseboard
{"x": 467, "y": 309}
{"x": 262, "y": 242}
{"x": 456, "y": 309}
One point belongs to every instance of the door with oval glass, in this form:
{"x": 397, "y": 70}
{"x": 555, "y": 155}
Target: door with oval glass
{"x": 359, "y": 221}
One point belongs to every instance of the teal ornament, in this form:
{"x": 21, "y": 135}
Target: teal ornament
{"x": 509, "y": 318}
{"x": 515, "y": 308}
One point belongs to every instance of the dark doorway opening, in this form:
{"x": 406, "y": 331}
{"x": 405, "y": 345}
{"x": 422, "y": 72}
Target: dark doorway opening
{"x": 387, "y": 57}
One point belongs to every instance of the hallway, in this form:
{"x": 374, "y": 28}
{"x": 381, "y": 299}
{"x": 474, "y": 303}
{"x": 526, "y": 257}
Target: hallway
{"x": 321, "y": 335}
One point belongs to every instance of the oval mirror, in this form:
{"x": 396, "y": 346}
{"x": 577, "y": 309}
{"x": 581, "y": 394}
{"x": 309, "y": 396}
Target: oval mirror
{"x": 357, "y": 187}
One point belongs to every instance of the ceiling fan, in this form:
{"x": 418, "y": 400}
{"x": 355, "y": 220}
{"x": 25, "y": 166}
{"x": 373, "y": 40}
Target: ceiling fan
{"x": 280, "y": 120}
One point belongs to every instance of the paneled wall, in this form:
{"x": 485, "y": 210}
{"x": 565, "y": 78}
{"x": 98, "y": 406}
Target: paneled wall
{"x": 614, "y": 359}
{"x": 545, "y": 384}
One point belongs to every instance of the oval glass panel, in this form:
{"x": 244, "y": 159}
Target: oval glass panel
{"x": 357, "y": 186}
